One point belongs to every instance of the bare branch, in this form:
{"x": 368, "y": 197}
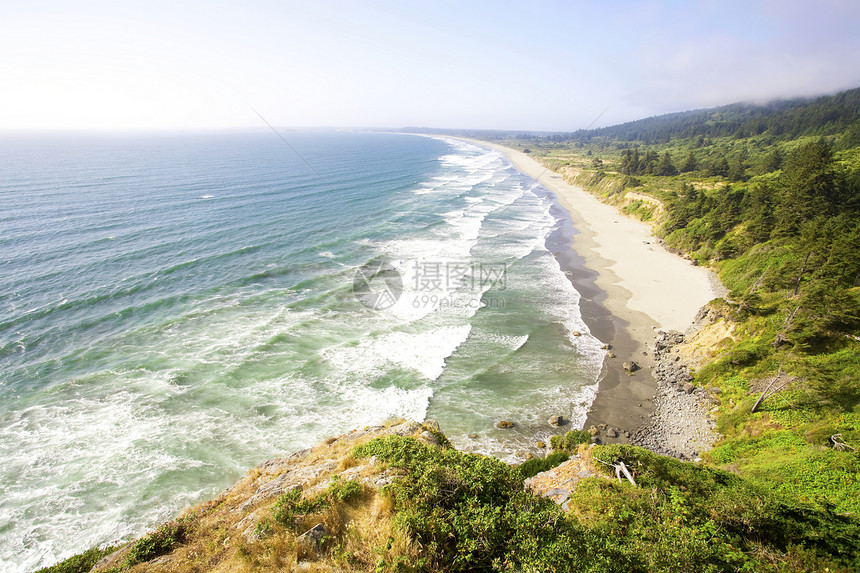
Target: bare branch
{"x": 840, "y": 445}
{"x": 620, "y": 468}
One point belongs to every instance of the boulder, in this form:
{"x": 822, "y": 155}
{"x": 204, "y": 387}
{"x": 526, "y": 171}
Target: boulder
{"x": 688, "y": 388}
{"x": 540, "y": 445}
{"x": 631, "y": 366}
{"x": 557, "y": 421}
{"x": 428, "y": 438}
{"x": 311, "y": 538}
{"x": 505, "y": 424}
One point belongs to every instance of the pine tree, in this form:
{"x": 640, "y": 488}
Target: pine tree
{"x": 689, "y": 164}
{"x": 719, "y": 167}
{"x": 737, "y": 172}
{"x": 665, "y": 166}
{"x": 773, "y": 161}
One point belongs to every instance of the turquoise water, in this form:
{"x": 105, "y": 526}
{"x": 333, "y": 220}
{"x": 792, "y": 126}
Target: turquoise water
{"x": 176, "y": 309}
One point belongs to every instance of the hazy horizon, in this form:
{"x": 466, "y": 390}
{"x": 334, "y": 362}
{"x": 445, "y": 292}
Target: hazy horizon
{"x": 542, "y": 66}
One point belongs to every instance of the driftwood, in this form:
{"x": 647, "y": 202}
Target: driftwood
{"x": 800, "y": 274}
{"x": 839, "y": 445}
{"x": 776, "y": 384}
{"x": 620, "y": 468}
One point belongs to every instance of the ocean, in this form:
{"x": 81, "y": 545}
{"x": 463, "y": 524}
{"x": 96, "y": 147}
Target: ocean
{"x": 175, "y": 309}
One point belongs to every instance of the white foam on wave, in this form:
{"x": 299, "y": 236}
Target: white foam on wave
{"x": 466, "y": 224}
{"x": 227, "y": 333}
{"x": 437, "y": 184}
{"x": 560, "y": 301}
{"x": 518, "y": 228}
{"x": 423, "y": 352}
{"x": 106, "y": 440}
{"x": 435, "y": 248}
{"x": 365, "y": 406}
{"x": 516, "y": 342}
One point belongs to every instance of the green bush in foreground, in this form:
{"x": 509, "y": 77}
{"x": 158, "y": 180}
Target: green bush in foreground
{"x": 290, "y": 505}
{"x": 469, "y": 512}
{"x": 569, "y": 441}
{"x": 80, "y": 563}
{"x": 534, "y": 466}
{"x": 156, "y": 543}
{"x": 739, "y": 512}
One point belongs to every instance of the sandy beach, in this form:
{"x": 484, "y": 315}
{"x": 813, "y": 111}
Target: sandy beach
{"x": 643, "y": 287}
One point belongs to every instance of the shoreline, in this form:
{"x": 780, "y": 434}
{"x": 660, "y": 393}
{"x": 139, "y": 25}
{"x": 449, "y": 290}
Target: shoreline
{"x": 631, "y": 288}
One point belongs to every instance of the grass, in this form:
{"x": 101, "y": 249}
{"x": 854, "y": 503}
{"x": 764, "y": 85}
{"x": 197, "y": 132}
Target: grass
{"x": 80, "y": 563}
{"x": 534, "y": 466}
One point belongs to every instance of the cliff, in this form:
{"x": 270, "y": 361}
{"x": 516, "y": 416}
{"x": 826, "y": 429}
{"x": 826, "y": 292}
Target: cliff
{"x": 399, "y": 498}
{"x": 242, "y": 529}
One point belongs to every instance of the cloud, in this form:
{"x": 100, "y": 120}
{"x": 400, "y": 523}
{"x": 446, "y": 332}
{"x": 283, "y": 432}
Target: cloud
{"x": 766, "y": 51}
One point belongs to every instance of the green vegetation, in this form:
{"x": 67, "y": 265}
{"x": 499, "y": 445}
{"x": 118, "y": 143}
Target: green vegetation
{"x": 569, "y": 441}
{"x": 470, "y": 512}
{"x": 534, "y": 466}
{"x": 159, "y": 542}
{"x": 80, "y": 563}
{"x": 769, "y": 196}
{"x": 290, "y": 505}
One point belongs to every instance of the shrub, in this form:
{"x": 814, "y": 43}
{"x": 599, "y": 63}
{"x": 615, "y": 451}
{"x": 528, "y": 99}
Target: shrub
{"x": 344, "y": 490}
{"x": 80, "y": 563}
{"x": 570, "y": 440}
{"x": 534, "y": 466}
{"x": 470, "y": 512}
{"x": 156, "y": 543}
{"x": 290, "y": 505}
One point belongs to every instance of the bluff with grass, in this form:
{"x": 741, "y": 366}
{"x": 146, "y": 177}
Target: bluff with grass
{"x": 398, "y": 498}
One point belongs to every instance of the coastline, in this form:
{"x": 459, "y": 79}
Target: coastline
{"x": 631, "y": 287}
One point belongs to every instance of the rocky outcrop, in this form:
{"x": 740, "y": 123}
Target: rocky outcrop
{"x": 558, "y": 483}
{"x": 680, "y": 425}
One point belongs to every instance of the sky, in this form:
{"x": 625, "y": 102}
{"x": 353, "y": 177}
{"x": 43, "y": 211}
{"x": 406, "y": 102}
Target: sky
{"x": 542, "y": 65}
